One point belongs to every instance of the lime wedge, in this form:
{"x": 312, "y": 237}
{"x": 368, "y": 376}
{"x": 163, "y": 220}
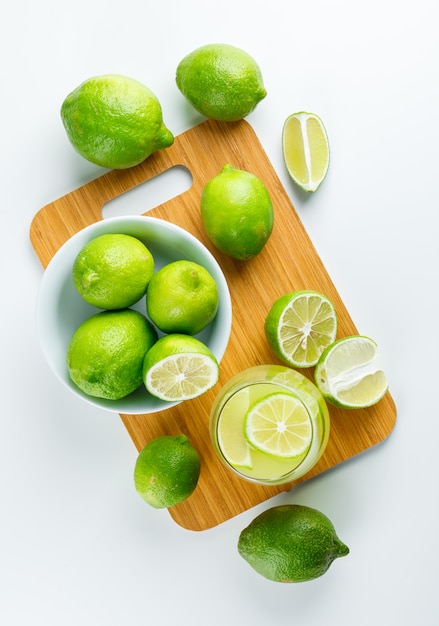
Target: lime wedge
{"x": 279, "y": 425}
{"x": 299, "y": 326}
{"x": 349, "y": 373}
{"x": 305, "y": 149}
{"x": 231, "y": 430}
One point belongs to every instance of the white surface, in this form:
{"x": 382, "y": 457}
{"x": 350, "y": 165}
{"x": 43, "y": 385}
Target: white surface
{"x": 77, "y": 545}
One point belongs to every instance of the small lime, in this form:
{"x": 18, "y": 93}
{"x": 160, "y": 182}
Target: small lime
{"x": 114, "y": 121}
{"x": 167, "y": 471}
{"x": 106, "y": 352}
{"x": 182, "y": 297}
{"x": 291, "y": 543}
{"x": 179, "y": 367}
{"x": 112, "y": 271}
{"x": 221, "y": 81}
{"x": 237, "y": 213}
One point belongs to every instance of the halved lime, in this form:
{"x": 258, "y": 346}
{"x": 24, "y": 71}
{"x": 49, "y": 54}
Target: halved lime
{"x": 299, "y": 326}
{"x": 305, "y": 149}
{"x": 279, "y": 425}
{"x": 180, "y": 367}
{"x": 349, "y": 374}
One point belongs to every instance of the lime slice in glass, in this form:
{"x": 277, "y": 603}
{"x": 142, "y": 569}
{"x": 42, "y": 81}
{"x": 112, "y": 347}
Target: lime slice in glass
{"x": 279, "y": 425}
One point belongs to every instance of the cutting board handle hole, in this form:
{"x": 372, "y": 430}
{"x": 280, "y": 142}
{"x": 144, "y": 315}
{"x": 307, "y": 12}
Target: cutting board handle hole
{"x": 150, "y": 194}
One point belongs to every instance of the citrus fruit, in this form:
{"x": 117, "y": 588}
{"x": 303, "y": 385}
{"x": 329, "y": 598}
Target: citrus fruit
{"x": 349, "y": 373}
{"x": 305, "y": 149}
{"x": 106, "y": 352}
{"x": 112, "y": 271}
{"x": 299, "y": 326}
{"x": 279, "y": 425}
{"x": 231, "y": 436}
{"x": 167, "y": 471}
{"x": 179, "y": 367}
{"x": 237, "y": 213}
{"x": 114, "y": 121}
{"x": 291, "y": 543}
{"x": 182, "y": 297}
{"x": 221, "y": 81}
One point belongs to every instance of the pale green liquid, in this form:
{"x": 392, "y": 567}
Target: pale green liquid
{"x": 230, "y": 411}
{"x": 262, "y": 465}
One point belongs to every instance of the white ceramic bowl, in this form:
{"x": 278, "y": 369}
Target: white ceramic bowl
{"x": 60, "y": 308}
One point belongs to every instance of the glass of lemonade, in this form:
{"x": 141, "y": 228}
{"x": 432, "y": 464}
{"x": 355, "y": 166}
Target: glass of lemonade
{"x": 269, "y": 424}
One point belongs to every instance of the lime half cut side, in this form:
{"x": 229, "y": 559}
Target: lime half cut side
{"x": 305, "y": 149}
{"x": 179, "y": 367}
{"x": 349, "y": 374}
{"x": 299, "y": 326}
{"x": 182, "y": 376}
{"x": 279, "y": 425}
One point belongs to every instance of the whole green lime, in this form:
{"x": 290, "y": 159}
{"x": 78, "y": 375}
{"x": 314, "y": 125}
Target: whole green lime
{"x": 291, "y": 543}
{"x": 221, "y": 81}
{"x": 167, "y": 471}
{"x": 237, "y": 213}
{"x": 106, "y": 352}
{"x": 112, "y": 271}
{"x": 114, "y": 121}
{"x": 182, "y": 297}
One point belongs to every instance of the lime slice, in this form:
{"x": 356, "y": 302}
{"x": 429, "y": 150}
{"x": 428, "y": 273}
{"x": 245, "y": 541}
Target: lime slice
{"x": 279, "y": 425}
{"x": 305, "y": 149}
{"x": 299, "y": 326}
{"x": 231, "y": 437}
{"x": 349, "y": 374}
{"x": 179, "y": 367}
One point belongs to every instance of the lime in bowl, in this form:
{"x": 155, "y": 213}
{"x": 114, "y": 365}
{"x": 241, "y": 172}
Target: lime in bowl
{"x": 61, "y": 309}
{"x": 269, "y": 424}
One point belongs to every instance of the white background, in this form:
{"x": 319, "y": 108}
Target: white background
{"x": 77, "y": 544}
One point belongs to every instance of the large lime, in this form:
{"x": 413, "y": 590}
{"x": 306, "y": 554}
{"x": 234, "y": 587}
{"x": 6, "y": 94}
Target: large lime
{"x": 106, "y": 352}
{"x": 112, "y": 271}
{"x": 182, "y": 297}
{"x": 291, "y": 543}
{"x": 221, "y": 81}
{"x": 114, "y": 121}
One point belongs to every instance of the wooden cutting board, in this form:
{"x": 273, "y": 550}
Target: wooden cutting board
{"x": 289, "y": 261}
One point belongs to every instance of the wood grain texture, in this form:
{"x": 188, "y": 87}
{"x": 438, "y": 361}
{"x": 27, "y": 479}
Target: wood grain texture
{"x": 289, "y": 261}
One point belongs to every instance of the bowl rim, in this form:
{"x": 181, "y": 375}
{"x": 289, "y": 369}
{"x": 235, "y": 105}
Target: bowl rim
{"x": 55, "y": 276}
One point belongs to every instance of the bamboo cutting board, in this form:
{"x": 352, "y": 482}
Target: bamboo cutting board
{"x": 289, "y": 261}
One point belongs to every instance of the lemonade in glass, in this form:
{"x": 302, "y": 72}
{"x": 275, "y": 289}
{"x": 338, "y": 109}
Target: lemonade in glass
{"x": 269, "y": 424}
